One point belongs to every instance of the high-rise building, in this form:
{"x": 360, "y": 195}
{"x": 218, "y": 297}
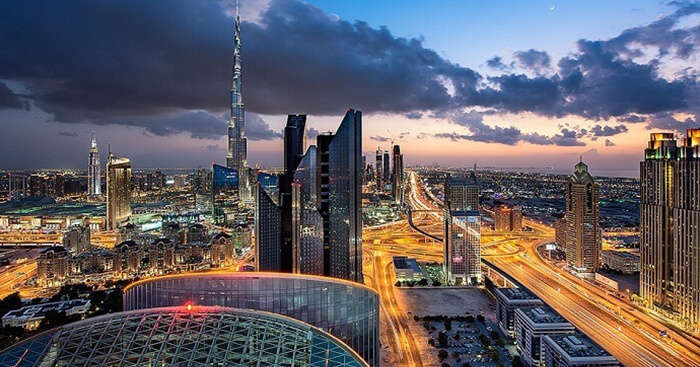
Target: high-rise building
{"x": 462, "y": 231}
{"x": 94, "y": 169}
{"x": 307, "y": 222}
{"x": 237, "y": 157}
{"x": 386, "y": 166}
{"x": 560, "y": 231}
{"x": 118, "y": 191}
{"x": 345, "y": 198}
{"x": 582, "y": 221}
{"x": 379, "y": 175}
{"x": 225, "y": 195}
{"x": 397, "y": 185}
{"x": 670, "y": 226}
{"x": 507, "y": 219}
{"x": 52, "y": 266}
{"x": 267, "y": 231}
{"x": 294, "y": 143}
{"x": 323, "y": 142}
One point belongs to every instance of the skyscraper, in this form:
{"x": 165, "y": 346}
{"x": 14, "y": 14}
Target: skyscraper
{"x": 462, "y": 230}
{"x": 323, "y": 142}
{"x": 379, "y": 175}
{"x": 94, "y": 183}
{"x": 268, "y": 254}
{"x": 670, "y": 226}
{"x": 237, "y": 157}
{"x": 118, "y": 191}
{"x": 582, "y": 221}
{"x": 397, "y": 185}
{"x": 387, "y": 169}
{"x": 345, "y": 199}
{"x": 294, "y": 142}
{"x": 307, "y": 222}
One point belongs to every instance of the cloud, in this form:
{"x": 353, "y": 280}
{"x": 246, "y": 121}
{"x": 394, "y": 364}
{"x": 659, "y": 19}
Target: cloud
{"x": 496, "y": 63}
{"x": 258, "y": 129}
{"x": 381, "y": 139}
{"x": 8, "y": 99}
{"x": 67, "y": 133}
{"x": 413, "y": 115}
{"x": 532, "y": 59}
{"x": 609, "y": 143}
{"x": 667, "y": 121}
{"x": 214, "y": 148}
{"x": 599, "y": 130}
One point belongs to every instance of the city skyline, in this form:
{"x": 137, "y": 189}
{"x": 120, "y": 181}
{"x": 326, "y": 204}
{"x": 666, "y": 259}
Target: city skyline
{"x": 166, "y": 126}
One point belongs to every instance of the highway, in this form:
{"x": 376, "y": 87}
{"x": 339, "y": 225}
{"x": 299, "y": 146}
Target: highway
{"x": 13, "y": 276}
{"x": 628, "y": 334}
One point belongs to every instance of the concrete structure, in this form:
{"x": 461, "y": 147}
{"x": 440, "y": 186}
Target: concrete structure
{"x": 348, "y": 310}
{"x": 575, "y": 351}
{"x": 184, "y": 336}
{"x": 583, "y": 242}
{"x": 406, "y": 269}
{"x": 560, "y": 228}
{"x": 76, "y": 238}
{"x": 52, "y": 266}
{"x": 237, "y": 157}
{"x": 345, "y": 199}
{"x": 379, "y": 173}
{"x": 118, "y": 192}
{"x": 94, "y": 167}
{"x": 29, "y": 317}
{"x": 507, "y": 301}
{"x": 386, "y": 165}
{"x": 621, "y": 261}
{"x": 531, "y": 324}
{"x": 670, "y": 226}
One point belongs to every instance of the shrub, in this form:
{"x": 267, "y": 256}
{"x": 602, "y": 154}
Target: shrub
{"x": 442, "y": 354}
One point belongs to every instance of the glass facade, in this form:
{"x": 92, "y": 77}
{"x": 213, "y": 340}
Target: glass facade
{"x": 463, "y": 247}
{"x": 268, "y": 254}
{"x": 269, "y": 182}
{"x": 346, "y": 310}
{"x": 307, "y": 223}
{"x": 345, "y": 199}
{"x": 184, "y": 336}
{"x": 224, "y": 192}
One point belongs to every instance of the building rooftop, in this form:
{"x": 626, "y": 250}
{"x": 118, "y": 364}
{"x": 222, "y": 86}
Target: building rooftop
{"x": 513, "y": 294}
{"x": 184, "y": 336}
{"x": 403, "y": 262}
{"x": 41, "y": 309}
{"x": 542, "y": 315}
{"x": 576, "y": 345}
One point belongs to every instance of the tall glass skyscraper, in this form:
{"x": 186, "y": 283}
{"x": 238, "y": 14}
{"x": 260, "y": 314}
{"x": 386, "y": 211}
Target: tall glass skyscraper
{"x": 94, "y": 183}
{"x": 379, "y": 175}
{"x": 462, "y": 231}
{"x": 268, "y": 254}
{"x": 224, "y": 194}
{"x": 670, "y": 226}
{"x": 237, "y": 157}
{"x": 397, "y": 174}
{"x": 118, "y": 191}
{"x": 307, "y": 222}
{"x": 294, "y": 142}
{"x": 345, "y": 197}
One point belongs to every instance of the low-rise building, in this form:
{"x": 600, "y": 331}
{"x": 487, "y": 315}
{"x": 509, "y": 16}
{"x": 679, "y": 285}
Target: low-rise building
{"x": 575, "y": 350}
{"x": 76, "y": 238}
{"x": 222, "y": 252}
{"x": 29, "y": 317}
{"x": 533, "y": 323}
{"x": 621, "y": 261}
{"x": 507, "y": 301}
{"x": 406, "y": 269}
{"x": 197, "y": 233}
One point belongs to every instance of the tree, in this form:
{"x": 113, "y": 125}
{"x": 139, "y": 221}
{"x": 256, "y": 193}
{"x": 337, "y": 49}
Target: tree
{"x": 469, "y": 319}
{"x": 499, "y": 342}
{"x": 494, "y": 335}
{"x": 442, "y": 339}
{"x": 9, "y": 303}
{"x": 455, "y": 355}
{"x": 398, "y": 283}
{"x": 445, "y": 365}
{"x": 480, "y": 318}
{"x": 457, "y": 336}
{"x": 485, "y": 341}
{"x": 436, "y": 283}
{"x": 431, "y": 342}
{"x": 442, "y": 354}
{"x": 423, "y": 282}
{"x": 448, "y": 324}
{"x": 517, "y": 362}
{"x": 466, "y": 364}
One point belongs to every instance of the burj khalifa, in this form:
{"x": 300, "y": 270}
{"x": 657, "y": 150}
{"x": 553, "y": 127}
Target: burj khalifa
{"x": 237, "y": 157}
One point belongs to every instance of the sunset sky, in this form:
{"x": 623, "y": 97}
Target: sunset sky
{"x": 507, "y": 84}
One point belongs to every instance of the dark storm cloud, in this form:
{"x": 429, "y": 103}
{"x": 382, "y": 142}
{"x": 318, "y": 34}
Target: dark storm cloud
{"x": 533, "y": 59}
{"x": 666, "y": 121}
{"x": 257, "y": 129}
{"x": 67, "y": 133}
{"x": 165, "y": 66}
{"x": 8, "y": 99}
{"x": 599, "y": 130}
{"x": 496, "y": 63}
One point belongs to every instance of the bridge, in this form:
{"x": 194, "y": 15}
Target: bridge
{"x": 415, "y": 228}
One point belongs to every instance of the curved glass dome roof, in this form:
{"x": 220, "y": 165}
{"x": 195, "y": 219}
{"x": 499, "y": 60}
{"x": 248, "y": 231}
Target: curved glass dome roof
{"x": 184, "y": 336}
